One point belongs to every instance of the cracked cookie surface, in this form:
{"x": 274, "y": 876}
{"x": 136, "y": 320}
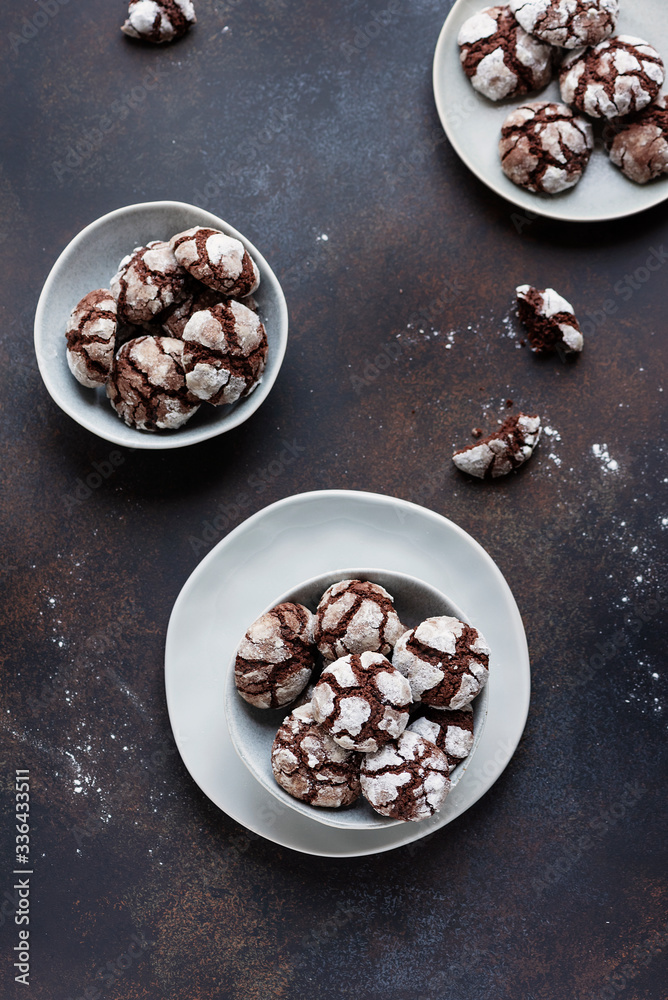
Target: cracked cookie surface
{"x": 544, "y": 147}
{"x": 500, "y": 58}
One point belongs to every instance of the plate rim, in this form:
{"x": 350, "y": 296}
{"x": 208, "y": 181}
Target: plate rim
{"x": 146, "y": 441}
{"x": 414, "y": 832}
{"x": 541, "y": 208}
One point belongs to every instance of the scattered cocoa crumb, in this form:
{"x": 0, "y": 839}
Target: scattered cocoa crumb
{"x": 509, "y": 402}
{"x": 476, "y": 432}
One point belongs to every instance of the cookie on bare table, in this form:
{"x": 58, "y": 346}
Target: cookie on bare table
{"x": 159, "y": 21}
{"x": 549, "y": 319}
{"x": 506, "y": 449}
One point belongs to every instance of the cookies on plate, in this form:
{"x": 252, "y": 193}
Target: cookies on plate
{"x": 91, "y": 338}
{"x": 567, "y": 23}
{"x": 451, "y": 730}
{"x": 147, "y": 385}
{"x": 275, "y": 659}
{"x": 544, "y": 147}
{"x": 617, "y": 77}
{"x": 500, "y": 58}
{"x": 639, "y": 146}
{"x": 362, "y": 701}
{"x": 309, "y": 765}
{"x": 217, "y": 260}
{"x": 356, "y": 616}
{"x": 224, "y": 352}
{"x": 406, "y": 780}
{"x": 147, "y": 282}
{"x": 445, "y": 661}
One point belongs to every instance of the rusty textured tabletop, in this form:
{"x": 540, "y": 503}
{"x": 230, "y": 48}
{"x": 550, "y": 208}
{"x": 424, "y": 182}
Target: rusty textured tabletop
{"x": 311, "y": 128}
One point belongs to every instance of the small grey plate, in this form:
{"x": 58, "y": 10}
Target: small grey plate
{"x": 473, "y": 126}
{"x": 89, "y": 262}
{"x": 252, "y": 730}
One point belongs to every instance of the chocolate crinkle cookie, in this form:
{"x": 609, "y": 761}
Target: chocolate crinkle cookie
{"x": 549, "y": 319}
{"x": 173, "y": 320}
{"x": 356, "y": 616}
{"x": 362, "y": 701}
{"x": 500, "y": 58}
{"x": 310, "y": 766}
{"x": 544, "y": 147}
{"x": 451, "y": 730}
{"x": 639, "y": 147}
{"x": 219, "y": 261}
{"x": 504, "y": 450}
{"x": 148, "y": 281}
{"x": 407, "y": 780}
{"x": 224, "y": 352}
{"x": 91, "y": 337}
{"x": 617, "y": 77}
{"x": 159, "y": 21}
{"x": 147, "y": 385}
{"x": 445, "y": 660}
{"x": 568, "y": 23}
{"x": 276, "y": 657}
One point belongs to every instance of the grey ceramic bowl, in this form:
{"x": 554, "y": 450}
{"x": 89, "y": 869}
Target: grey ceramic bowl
{"x": 89, "y": 262}
{"x": 252, "y": 730}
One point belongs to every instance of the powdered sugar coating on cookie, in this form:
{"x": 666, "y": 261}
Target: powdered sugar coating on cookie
{"x": 500, "y": 58}
{"x": 362, "y": 700}
{"x": 219, "y": 261}
{"x": 504, "y": 450}
{"x": 568, "y": 23}
{"x": 148, "y": 281}
{"x": 544, "y": 147}
{"x": 549, "y": 319}
{"x": 617, "y": 77}
{"x": 91, "y": 336}
{"x": 407, "y": 780}
{"x": 159, "y": 21}
{"x": 355, "y": 616}
{"x": 451, "y": 730}
{"x": 147, "y": 385}
{"x": 276, "y": 657}
{"x": 225, "y": 352}
{"x": 445, "y": 660}
{"x": 311, "y": 766}
{"x": 640, "y": 147}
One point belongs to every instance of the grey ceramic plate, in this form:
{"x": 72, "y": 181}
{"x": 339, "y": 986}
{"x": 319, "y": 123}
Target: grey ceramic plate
{"x": 252, "y": 730}
{"x": 473, "y": 125}
{"x": 89, "y": 262}
{"x": 277, "y": 548}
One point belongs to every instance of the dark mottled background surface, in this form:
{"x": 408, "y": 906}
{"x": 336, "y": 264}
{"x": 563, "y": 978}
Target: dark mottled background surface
{"x": 278, "y": 117}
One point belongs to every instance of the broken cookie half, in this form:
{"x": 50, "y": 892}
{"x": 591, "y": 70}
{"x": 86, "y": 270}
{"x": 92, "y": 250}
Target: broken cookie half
{"x": 504, "y": 450}
{"x": 549, "y": 319}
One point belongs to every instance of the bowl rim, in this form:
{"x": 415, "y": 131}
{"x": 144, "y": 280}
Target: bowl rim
{"x": 335, "y": 817}
{"x": 185, "y": 436}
